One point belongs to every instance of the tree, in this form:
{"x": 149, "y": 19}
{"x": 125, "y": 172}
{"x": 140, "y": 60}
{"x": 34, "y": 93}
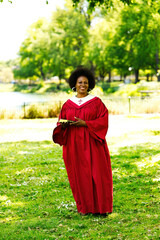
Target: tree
{"x": 105, "y": 3}
{"x": 92, "y": 3}
{"x": 71, "y": 31}
{"x": 55, "y": 47}
{"x": 33, "y": 52}
{"x": 133, "y": 42}
{"x": 127, "y": 37}
{"x": 155, "y": 28}
{"x": 97, "y": 50}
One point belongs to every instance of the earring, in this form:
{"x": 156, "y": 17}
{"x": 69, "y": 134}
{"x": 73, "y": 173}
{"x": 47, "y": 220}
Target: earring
{"x": 74, "y": 89}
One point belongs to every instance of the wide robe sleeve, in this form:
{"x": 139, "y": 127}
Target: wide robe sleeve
{"x": 59, "y": 133}
{"x": 98, "y": 127}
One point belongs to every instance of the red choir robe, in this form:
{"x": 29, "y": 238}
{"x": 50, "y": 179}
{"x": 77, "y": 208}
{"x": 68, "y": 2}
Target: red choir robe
{"x": 86, "y": 155}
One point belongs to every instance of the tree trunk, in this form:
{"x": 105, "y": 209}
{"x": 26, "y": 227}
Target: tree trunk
{"x": 147, "y": 77}
{"x": 157, "y": 58}
{"x": 109, "y": 76}
{"x": 157, "y": 67}
{"x": 92, "y": 67}
{"x": 43, "y": 76}
{"x": 137, "y": 76}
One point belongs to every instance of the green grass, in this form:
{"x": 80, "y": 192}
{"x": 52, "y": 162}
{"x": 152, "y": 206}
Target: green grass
{"x": 36, "y": 201}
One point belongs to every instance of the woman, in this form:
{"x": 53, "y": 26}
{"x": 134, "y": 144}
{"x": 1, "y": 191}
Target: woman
{"x": 85, "y": 152}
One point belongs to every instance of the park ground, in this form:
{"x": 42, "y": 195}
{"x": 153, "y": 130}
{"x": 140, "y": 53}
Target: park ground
{"x": 35, "y": 198}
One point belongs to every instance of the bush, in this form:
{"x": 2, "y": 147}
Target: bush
{"x": 43, "y": 111}
{"x": 54, "y": 111}
{"x": 133, "y": 90}
{"x": 34, "y": 112}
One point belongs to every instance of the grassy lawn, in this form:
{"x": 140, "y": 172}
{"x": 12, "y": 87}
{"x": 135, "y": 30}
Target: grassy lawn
{"x": 36, "y": 201}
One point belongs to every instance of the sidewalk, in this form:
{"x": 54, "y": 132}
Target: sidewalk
{"x": 41, "y": 129}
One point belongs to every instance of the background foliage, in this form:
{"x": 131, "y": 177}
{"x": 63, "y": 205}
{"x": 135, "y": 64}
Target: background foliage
{"x": 124, "y": 39}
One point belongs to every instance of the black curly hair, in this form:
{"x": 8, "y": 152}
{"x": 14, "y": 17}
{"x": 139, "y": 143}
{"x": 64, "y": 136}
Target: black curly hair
{"x": 81, "y": 71}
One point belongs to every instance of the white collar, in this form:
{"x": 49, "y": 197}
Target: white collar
{"x": 80, "y": 101}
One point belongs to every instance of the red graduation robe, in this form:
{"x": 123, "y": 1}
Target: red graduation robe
{"x": 86, "y": 156}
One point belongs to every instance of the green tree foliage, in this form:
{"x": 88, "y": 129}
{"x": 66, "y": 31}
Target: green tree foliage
{"x": 34, "y": 59}
{"x": 54, "y": 47}
{"x": 69, "y": 29}
{"x": 134, "y": 40}
{"x": 92, "y": 3}
{"x": 125, "y": 38}
{"x": 97, "y": 51}
{"x": 105, "y": 3}
{"x": 135, "y": 36}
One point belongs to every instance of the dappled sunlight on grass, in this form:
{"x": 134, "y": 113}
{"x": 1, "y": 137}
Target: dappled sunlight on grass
{"x": 9, "y": 219}
{"x": 3, "y": 198}
{"x": 27, "y": 170}
{"x": 149, "y": 162}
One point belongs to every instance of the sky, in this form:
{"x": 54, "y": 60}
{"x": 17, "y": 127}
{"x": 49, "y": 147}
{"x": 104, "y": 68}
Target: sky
{"x": 15, "y": 19}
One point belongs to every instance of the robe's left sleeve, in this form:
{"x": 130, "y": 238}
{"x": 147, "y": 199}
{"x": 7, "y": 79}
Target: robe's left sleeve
{"x": 98, "y": 127}
{"x": 59, "y": 133}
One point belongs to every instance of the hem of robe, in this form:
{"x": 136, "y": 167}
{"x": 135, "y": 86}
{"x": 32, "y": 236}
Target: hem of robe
{"x": 94, "y": 212}
{"x": 107, "y": 209}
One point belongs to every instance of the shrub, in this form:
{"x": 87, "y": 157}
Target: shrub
{"x": 33, "y": 111}
{"x": 43, "y": 110}
{"x": 133, "y": 90}
{"x": 53, "y": 111}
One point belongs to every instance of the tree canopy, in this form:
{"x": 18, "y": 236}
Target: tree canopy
{"x": 106, "y": 3}
{"x": 92, "y": 3}
{"x": 123, "y": 40}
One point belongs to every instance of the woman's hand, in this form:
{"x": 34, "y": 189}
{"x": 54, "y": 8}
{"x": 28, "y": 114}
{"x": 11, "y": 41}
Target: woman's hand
{"x": 79, "y": 123}
{"x": 65, "y": 124}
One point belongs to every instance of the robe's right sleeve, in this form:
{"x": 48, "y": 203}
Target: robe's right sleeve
{"x": 59, "y": 133}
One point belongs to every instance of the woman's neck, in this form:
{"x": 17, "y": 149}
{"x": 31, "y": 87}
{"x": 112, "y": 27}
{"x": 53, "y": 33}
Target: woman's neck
{"x": 81, "y": 95}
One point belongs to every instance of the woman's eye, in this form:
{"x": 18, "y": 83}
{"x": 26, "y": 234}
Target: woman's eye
{"x": 83, "y": 83}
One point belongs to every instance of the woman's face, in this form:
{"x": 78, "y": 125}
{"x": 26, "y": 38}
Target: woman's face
{"x": 82, "y": 85}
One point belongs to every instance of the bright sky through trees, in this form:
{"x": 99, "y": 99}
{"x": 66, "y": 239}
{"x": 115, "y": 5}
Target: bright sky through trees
{"x": 15, "y": 18}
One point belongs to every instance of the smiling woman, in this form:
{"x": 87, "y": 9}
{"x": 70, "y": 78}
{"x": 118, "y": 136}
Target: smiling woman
{"x": 85, "y": 150}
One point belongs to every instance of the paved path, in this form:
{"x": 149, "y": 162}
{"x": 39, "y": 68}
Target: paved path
{"x": 40, "y": 130}
{"x": 121, "y": 124}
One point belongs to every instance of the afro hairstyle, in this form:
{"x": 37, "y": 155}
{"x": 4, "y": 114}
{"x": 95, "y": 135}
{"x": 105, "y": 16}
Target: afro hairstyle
{"x": 82, "y": 71}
